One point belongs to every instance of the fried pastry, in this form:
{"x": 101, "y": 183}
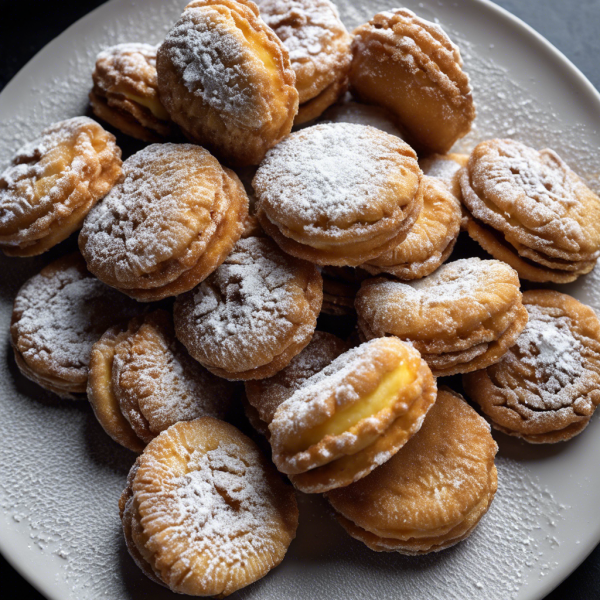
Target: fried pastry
{"x": 338, "y": 194}
{"x": 462, "y": 318}
{"x": 411, "y": 67}
{"x": 265, "y": 395}
{"x": 204, "y": 512}
{"x": 142, "y": 381}
{"x": 547, "y": 386}
{"x": 362, "y": 114}
{"x": 529, "y": 209}
{"x": 340, "y": 285}
{"x": 125, "y": 92}
{"x": 319, "y": 49}
{"x": 167, "y": 225}
{"x": 225, "y": 78}
{"x": 446, "y": 168}
{"x": 57, "y": 316}
{"x": 431, "y": 240}
{"x": 53, "y": 182}
{"x": 433, "y": 492}
{"x": 253, "y": 314}
{"x": 352, "y": 416}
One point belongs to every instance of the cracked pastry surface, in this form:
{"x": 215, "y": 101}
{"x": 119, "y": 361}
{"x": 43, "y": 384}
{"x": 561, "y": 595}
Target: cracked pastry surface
{"x": 142, "y": 381}
{"x": 253, "y": 314}
{"x": 430, "y": 241}
{"x": 125, "y": 92}
{"x": 204, "y": 512}
{"x": 338, "y": 193}
{"x": 167, "y": 225}
{"x": 53, "y": 182}
{"x": 532, "y": 210}
{"x": 433, "y": 492}
{"x": 319, "y": 49}
{"x": 547, "y": 386}
{"x": 411, "y": 67}
{"x": 57, "y": 316}
{"x": 225, "y": 78}
{"x": 466, "y": 314}
{"x": 351, "y": 416}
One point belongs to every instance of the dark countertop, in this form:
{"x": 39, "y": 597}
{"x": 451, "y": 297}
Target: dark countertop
{"x": 571, "y": 26}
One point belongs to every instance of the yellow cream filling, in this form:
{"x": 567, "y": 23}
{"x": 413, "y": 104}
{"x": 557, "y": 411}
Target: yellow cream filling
{"x": 57, "y": 160}
{"x": 384, "y": 396}
{"x": 255, "y": 42}
{"x": 155, "y": 107}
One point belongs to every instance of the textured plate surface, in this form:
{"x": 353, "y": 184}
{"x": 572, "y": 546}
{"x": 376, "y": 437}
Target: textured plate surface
{"x": 60, "y": 476}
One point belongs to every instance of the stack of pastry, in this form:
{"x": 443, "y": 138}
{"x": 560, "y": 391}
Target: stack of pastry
{"x": 406, "y": 467}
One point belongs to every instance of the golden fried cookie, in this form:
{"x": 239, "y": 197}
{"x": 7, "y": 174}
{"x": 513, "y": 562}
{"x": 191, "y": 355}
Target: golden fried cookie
{"x": 352, "y": 416}
{"x": 531, "y": 210}
{"x": 265, "y": 395}
{"x": 204, "y": 512}
{"x": 338, "y": 193}
{"x": 433, "y": 492}
{"x": 411, "y": 67}
{"x": 547, "y": 386}
{"x": 466, "y": 314}
{"x": 319, "y": 49}
{"x": 125, "y": 92}
{"x": 225, "y": 78}
{"x": 53, "y": 182}
{"x": 253, "y": 314}
{"x": 340, "y": 285}
{"x": 142, "y": 375}
{"x": 362, "y": 114}
{"x": 167, "y": 225}
{"x": 431, "y": 240}
{"x": 58, "y": 314}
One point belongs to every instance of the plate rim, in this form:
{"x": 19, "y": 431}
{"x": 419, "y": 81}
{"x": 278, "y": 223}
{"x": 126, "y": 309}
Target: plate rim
{"x": 26, "y": 568}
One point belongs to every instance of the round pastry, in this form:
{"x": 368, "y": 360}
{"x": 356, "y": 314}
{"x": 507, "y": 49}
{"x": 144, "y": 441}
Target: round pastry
{"x": 204, "y": 512}
{"x": 411, "y": 67}
{"x": 340, "y": 285}
{"x": 362, "y": 114}
{"x": 446, "y": 168}
{"x": 461, "y": 318}
{"x": 253, "y": 314}
{"x": 529, "y": 209}
{"x": 319, "y": 49}
{"x": 225, "y": 78}
{"x": 58, "y": 314}
{"x": 547, "y": 386}
{"x": 142, "y": 381}
{"x": 125, "y": 92}
{"x": 167, "y": 225}
{"x": 430, "y": 242}
{"x": 338, "y": 193}
{"x": 265, "y": 395}
{"x": 433, "y": 492}
{"x": 352, "y": 416}
{"x": 53, "y": 182}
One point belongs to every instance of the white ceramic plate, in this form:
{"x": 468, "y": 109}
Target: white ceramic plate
{"x": 61, "y": 476}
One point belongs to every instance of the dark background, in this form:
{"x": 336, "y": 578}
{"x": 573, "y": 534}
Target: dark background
{"x": 26, "y": 26}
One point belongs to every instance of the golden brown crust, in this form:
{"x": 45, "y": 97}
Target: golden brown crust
{"x": 228, "y": 514}
{"x": 413, "y": 504}
{"x": 545, "y": 388}
{"x": 362, "y": 205}
{"x": 254, "y": 106}
{"x": 125, "y": 92}
{"x": 410, "y": 66}
{"x": 167, "y": 225}
{"x": 53, "y": 182}
{"x": 254, "y": 314}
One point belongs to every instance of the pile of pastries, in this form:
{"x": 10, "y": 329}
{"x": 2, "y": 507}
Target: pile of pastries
{"x": 266, "y": 198}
